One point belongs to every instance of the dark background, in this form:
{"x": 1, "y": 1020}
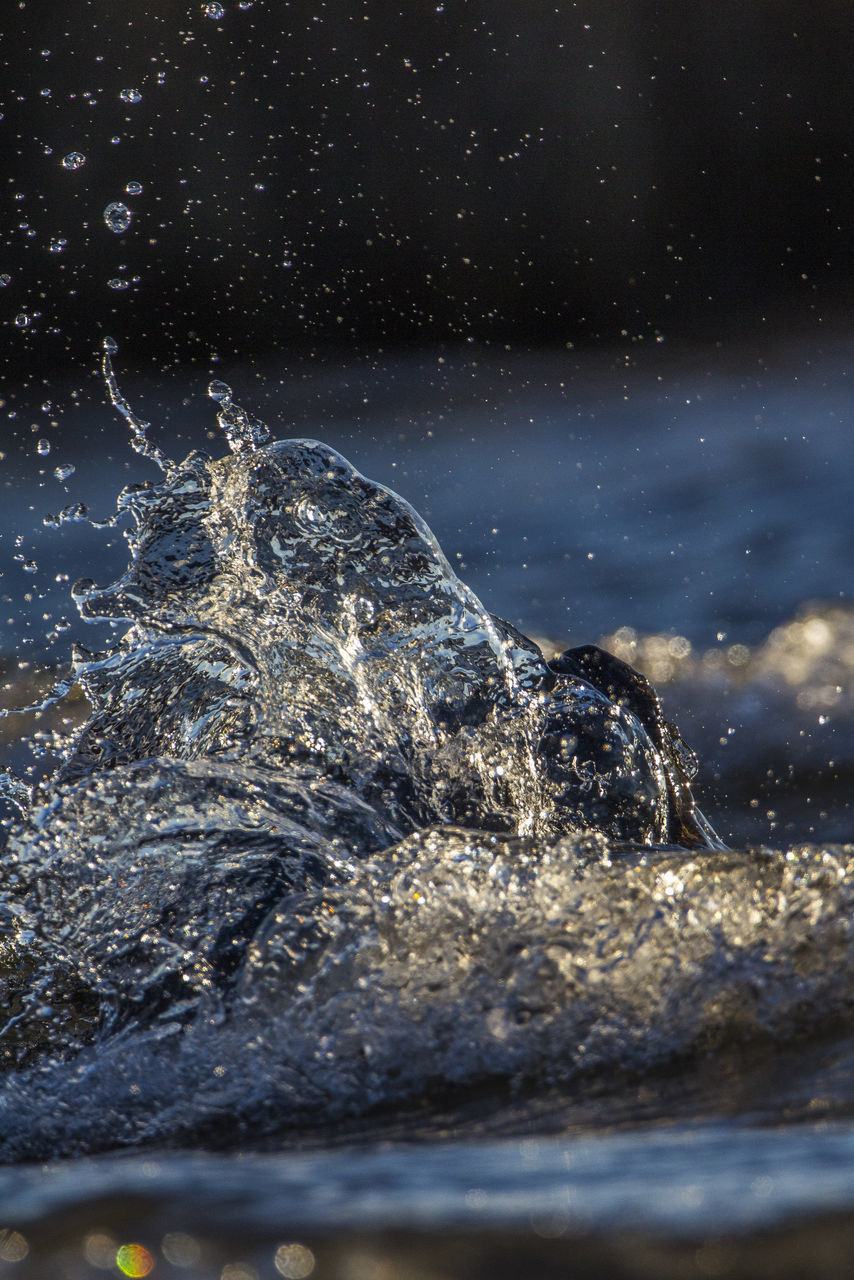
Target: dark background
{"x": 356, "y": 172}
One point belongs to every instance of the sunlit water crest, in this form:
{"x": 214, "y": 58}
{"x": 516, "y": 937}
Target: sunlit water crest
{"x": 333, "y": 837}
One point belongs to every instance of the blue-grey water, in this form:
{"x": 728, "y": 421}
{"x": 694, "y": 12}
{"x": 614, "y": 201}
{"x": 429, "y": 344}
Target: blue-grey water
{"x": 526, "y": 1034}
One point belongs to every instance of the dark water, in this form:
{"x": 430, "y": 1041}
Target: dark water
{"x": 342, "y": 885}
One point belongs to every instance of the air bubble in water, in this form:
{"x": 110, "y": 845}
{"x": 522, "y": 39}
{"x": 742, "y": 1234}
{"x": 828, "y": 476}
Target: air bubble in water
{"x": 117, "y": 216}
{"x": 43, "y": 447}
{"x": 117, "y": 283}
{"x": 63, "y": 472}
{"x": 134, "y": 188}
{"x": 219, "y": 391}
{"x": 130, "y": 95}
{"x": 74, "y": 160}
{"x": 213, "y": 9}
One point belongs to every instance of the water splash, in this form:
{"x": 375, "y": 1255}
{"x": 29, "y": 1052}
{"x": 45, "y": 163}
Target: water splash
{"x": 138, "y": 427}
{"x": 332, "y": 827}
{"x": 242, "y": 430}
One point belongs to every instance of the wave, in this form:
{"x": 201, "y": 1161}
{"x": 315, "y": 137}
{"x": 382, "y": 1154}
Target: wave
{"x": 333, "y": 837}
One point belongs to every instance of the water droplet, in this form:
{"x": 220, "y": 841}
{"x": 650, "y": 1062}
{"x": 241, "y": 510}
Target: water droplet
{"x": 43, "y": 447}
{"x": 246, "y": 4}
{"x": 67, "y": 469}
{"x": 219, "y": 391}
{"x": 57, "y": 244}
{"x": 47, "y": 407}
{"x": 134, "y": 188}
{"x": 45, "y": 93}
{"x": 22, "y": 320}
{"x": 130, "y": 95}
{"x": 117, "y": 283}
{"x": 30, "y": 566}
{"x": 117, "y": 216}
{"x": 259, "y": 186}
{"x": 74, "y": 160}
{"x": 5, "y": 279}
{"x": 213, "y": 9}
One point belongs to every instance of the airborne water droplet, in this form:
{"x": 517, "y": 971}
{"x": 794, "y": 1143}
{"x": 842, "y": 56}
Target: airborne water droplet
{"x": 134, "y": 188}
{"x": 43, "y": 447}
{"x": 64, "y": 471}
{"x": 130, "y": 95}
{"x": 74, "y": 160}
{"x": 22, "y": 320}
{"x": 219, "y": 391}
{"x": 57, "y": 244}
{"x": 5, "y": 279}
{"x": 116, "y": 283}
{"x": 30, "y": 566}
{"x": 117, "y": 217}
{"x": 213, "y": 9}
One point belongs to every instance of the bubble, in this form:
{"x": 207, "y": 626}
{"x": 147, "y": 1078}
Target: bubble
{"x": 134, "y": 1260}
{"x": 13, "y": 1246}
{"x": 5, "y": 279}
{"x": 117, "y": 217}
{"x": 43, "y": 447}
{"x": 57, "y": 244}
{"x": 134, "y": 188}
{"x": 180, "y": 1249}
{"x": 130, "y": 95}
{"x": 117, "y": 283}
{"x": 64, "y": 471}
{"x": 22, "y": 320}
{"x": 74, "y": 160}
{"x": 219, "y": 391}
{"x": 213, "y": 9}
{"x": 294, "y": 1261}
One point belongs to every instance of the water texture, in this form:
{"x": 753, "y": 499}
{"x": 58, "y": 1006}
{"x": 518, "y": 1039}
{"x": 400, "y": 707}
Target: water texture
{"x": 332, "y": 828}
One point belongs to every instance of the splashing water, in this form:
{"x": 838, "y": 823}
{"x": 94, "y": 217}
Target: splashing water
{"x": 333, "y": 829}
